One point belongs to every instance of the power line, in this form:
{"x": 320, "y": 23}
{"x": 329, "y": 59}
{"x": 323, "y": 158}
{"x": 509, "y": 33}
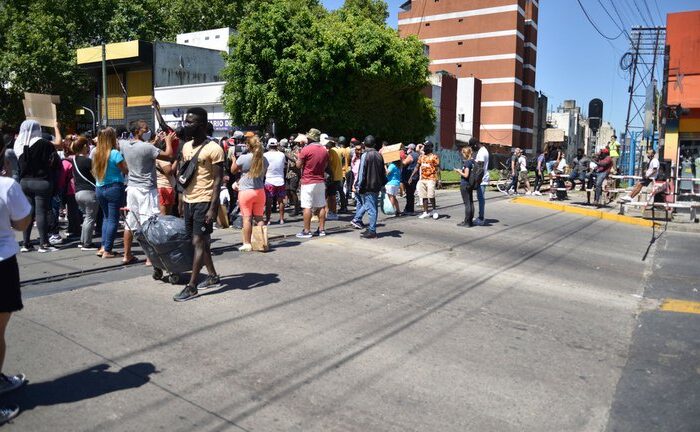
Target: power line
{"x": 661, "y": 16}
{"x": 646, "y": 6}
{"x": 617, "y": 12}
{"x": 596, "y": 27}
{"x": 610, "y": 16}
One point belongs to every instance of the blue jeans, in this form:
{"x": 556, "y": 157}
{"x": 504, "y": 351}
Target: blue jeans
{"x": 480, "y": 196}
{"x": 110, "y": 199}
{"x": 369, "y": 205}
{"x": 599, "y": 179}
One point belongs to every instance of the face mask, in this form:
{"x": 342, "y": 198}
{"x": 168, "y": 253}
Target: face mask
{"x": 188, "y": 130}
{"x": 146, "y": 136}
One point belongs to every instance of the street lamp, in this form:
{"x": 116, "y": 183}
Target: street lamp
{"x": 82, "y": 110}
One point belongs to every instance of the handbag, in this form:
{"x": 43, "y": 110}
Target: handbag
{"x": 259, "y": 241}
{"x": 75, "y": 165}
{"x": 187, "y": 170}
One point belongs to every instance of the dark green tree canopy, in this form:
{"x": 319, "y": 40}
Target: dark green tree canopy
{"x": 346, "y": 71}
{"x": 39, "y": 38}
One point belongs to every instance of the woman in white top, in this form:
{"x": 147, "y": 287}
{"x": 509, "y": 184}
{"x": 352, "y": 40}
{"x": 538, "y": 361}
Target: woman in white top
{"x": 275, "y": 189}
{"x": 15, "y": 214}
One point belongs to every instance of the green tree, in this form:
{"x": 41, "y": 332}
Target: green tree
{"x": 376, "y": 10}
{"x": 347, "y": 72}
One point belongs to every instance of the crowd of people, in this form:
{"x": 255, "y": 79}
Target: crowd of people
{"x": 590, "y": 171}
{"x": 125, "y": 176}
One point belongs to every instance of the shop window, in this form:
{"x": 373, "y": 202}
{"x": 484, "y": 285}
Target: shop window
{"x": 689, "y": 168}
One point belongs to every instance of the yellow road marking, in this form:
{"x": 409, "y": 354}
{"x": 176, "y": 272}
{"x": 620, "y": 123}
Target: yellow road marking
{"x": 585, "y": 212}
{"x": 681, "y": 306}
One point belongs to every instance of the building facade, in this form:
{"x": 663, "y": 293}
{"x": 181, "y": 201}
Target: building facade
{"x": 682, "y": 138}
{"x": 135, "y": 68}
{"x": 443, "y": 92}
{"x": 492, "y": 40}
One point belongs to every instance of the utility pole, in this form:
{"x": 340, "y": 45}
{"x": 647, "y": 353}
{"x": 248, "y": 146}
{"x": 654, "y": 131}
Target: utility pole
{"x": 105, "y": 116}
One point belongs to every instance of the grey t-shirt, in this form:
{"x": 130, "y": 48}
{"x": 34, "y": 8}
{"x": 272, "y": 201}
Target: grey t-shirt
{"x": 140, "y": 158}
{"x": 246, "y": 182}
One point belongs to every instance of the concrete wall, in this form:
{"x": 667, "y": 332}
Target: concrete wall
{"x": 175, "y": 64}
{"x": 216, "y": 39}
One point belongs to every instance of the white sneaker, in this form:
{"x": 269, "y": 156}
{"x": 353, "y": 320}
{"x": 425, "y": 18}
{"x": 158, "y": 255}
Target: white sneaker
{"x": 55, "y": 239}
{"x": 626, "y": 198}
{"x": 423, "y": 215}
{"x": 435, "y": 215}
{"x": 528, "y": 193}
{"x": 45, "y": 249}
{"x": 281, "y": 221}
{"x": 24, "y": 249}
{"x": 538, "y": 193}
{"x": 246, "y": 247}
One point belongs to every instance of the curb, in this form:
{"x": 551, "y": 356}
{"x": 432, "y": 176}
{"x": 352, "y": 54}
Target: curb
{"x": 586, "y": 212}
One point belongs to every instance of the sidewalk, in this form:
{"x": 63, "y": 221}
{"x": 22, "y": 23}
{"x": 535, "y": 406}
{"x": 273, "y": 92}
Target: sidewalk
{"x": 577, "y": 203}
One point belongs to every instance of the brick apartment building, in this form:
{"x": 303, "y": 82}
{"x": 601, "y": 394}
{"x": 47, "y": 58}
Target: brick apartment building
{"x": 492, "y": 40}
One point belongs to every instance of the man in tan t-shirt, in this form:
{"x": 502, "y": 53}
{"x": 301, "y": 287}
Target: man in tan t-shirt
{"x": 201, "y": 199}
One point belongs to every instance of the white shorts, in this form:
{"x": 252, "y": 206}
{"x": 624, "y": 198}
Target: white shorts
{"x": 142, "y": 204}
{"x": 391, "y": 190}
{"x": 426, "y": 189}
{"x": 313, "y": 196}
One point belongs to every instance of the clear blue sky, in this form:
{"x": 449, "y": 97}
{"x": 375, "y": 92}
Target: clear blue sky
{"x": 573, "y": 60}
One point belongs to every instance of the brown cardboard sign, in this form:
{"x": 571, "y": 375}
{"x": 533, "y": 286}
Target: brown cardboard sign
{"x": 40, "y": 107}
{"x": 391, "y": 153}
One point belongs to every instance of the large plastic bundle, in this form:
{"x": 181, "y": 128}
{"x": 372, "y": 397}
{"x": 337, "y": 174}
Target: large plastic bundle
{"x": 166, "y": 244}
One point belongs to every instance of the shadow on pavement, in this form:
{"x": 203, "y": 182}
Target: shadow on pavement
{"x": 244, "y": 281}
{"x": 88, "y": 383}
{"x": 392, "y": 233}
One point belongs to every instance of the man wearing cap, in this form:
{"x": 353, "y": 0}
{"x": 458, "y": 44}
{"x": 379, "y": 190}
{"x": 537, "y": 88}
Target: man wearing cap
{"x": 614, "y": 148}
{"x": 345, "y": 154}
{"x": 335, "y": 181}
{"x": 409, "y": 179}
{"x": 274, "y": 179}
{"x": 312, "y": 161}
{"x": 605, "y": 164}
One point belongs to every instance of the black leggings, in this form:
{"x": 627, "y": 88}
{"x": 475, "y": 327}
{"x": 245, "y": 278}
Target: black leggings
{"x": 468, "y": 200}
{"x": 538, "y": 181}
{"x": 39, "y": 194}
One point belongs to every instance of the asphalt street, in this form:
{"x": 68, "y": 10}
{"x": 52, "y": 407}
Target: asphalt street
{"x": 540, "y": 321}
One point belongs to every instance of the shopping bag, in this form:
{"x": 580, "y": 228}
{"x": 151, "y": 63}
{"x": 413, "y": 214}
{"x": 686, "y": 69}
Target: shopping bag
{"x": 387, "y": 206}
{"x": 259, "y": 240}
{"x": 222, "y": 217}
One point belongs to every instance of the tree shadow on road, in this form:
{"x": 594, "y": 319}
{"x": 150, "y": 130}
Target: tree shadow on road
{"x": 245, "y": 282}
{"x": 88, "y": 383}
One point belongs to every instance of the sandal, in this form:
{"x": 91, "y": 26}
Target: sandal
{"x": 108, "y": 255}
{"x": 131, "y": 260}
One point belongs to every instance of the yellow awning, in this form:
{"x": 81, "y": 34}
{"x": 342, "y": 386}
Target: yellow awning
{"x": 114, "y": 51}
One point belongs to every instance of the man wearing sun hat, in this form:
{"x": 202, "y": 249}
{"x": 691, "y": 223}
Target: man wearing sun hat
{"x": 312, "y": 161}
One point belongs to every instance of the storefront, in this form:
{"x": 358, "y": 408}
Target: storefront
{"x": 682, "y": 139}
{"x": 176, "y": 100}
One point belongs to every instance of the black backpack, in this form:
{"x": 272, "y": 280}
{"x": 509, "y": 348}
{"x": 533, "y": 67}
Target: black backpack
{"x": 476, "y": 175}
{"x": 187, "y": 170}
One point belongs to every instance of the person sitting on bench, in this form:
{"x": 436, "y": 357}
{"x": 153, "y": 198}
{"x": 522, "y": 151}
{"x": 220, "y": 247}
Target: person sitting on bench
{"x": 649, "y": 178}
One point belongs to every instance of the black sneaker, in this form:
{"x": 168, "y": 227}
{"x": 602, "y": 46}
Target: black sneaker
{"x": 187, "y": 293}
{"x": 210, "y": 282}
{"x": 368, "y": 235}
{"x": 465, "y": 224}
{"x": 356, "y": 224}
{"x": 8, "y": 412}
{"x": 13, "y": 382}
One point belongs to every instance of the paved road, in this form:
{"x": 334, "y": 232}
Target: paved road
{"x": 540, "y": 322}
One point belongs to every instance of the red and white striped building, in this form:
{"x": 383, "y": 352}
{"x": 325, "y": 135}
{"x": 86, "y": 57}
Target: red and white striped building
{"x": 492, "y": 40}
